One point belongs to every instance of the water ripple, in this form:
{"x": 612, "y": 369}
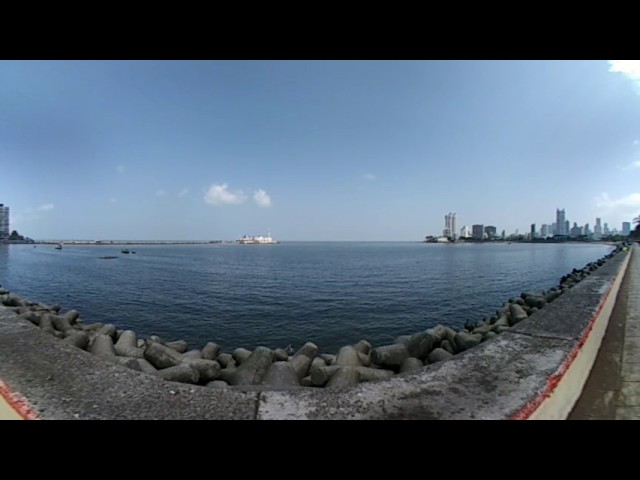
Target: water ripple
{"x": 329, "y": 293}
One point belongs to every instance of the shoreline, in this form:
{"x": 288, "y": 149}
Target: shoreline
{"x": 235, "y": 242}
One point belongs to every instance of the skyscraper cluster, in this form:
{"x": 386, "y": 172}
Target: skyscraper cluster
{"x": 559, "y": 229}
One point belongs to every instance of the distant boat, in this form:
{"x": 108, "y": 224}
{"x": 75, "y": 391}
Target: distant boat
{"x": 124, "y": 250}
{"x": 58, "y": 247}
{"x": 259, "y": 240}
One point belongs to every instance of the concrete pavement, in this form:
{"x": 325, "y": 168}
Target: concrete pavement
{"x": 613, "y": 388}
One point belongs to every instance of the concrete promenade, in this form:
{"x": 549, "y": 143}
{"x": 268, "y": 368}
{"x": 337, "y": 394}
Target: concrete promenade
{"x": 612, "y": 391}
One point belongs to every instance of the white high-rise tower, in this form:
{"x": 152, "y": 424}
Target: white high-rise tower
{"x": 450, "y": 226}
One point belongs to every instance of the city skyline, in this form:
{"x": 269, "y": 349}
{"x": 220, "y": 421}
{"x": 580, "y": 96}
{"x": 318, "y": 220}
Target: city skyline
{"x": 314, "y": 150}
{"x": 544, "y": 230}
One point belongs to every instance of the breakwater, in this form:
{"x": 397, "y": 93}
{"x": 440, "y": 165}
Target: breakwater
{"x": 279, "y": 368}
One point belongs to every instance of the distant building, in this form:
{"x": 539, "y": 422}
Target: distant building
{"x": 626, "y": 229}
{"x": 544, "y": 230}
{"x": 503, "y": 234}
{"x": 576, "y": 231}
{"x": 477, "y": 232}
{"x": 465, "y": 232}
{"x": 4, "y": 221}
{"x": 449, "y": 226}
{"x": 533, "y": 231}
{"x": 606, "y": 229}
{"x": 561, "y": 226}
{"x": 587, "y": 232}
{"x": 491, "y": 232}
{"x": 597, "y": 230}
{"x": 566, "y": 227}
{"x": 554, "y": 228}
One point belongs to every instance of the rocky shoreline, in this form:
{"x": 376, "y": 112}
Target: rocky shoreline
{"x": 277, "y": 368}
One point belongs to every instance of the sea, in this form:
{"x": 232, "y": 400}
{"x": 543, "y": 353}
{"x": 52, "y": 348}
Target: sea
{"x": 329, "y": 293}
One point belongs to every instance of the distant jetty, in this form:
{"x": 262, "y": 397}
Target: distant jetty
{"x": 131, "y": 242}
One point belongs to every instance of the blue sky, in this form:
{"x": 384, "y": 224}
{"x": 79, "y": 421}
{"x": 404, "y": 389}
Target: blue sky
{"x": 314, "y": 150}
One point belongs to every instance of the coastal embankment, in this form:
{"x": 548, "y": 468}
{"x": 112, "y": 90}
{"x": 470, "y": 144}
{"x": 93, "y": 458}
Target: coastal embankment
{"x": 513, "y": 364}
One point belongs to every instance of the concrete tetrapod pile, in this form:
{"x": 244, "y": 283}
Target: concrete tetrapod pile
{"x": 277, "y": 368}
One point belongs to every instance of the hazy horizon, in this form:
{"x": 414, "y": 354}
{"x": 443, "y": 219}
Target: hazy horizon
{"x": 315, "y": 150}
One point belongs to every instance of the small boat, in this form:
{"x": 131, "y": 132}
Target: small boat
{"x": 124, "y": 250}
{"x": 107, "y": 257}
{"x": 58, "y": 247}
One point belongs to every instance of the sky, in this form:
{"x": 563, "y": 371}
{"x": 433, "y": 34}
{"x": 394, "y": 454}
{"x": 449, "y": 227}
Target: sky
{"x": 315, "y": 150}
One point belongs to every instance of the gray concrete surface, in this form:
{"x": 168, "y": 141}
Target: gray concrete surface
{"x": 63, "y": 382}
{"x": 613, "y": 388}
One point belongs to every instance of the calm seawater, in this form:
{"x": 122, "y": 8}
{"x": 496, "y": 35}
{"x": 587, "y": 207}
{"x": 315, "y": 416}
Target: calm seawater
{"x": 332, "y": 294}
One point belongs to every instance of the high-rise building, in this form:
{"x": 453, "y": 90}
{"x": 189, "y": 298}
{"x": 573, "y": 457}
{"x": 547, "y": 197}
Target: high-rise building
{"x": 544, "y": 230}
{"x": 503, "y": 234}
{"x": 597, "y": 230}
{"x": 587, "y": 232}
{"x": 477, "y": 232}
{"x": 454, "y": 234}
{"x": 533, "y": 230}
{"x": 626, "y": 229}
{"x": 465, "y": 232}
{"x": 560, "y": 223}
{"x": 449, "y": 225}
{"x": 554, "y": 228}
{"x": 491, "y": 232}
{"x": 4, "y": 221}
{"x": 566, "y": 227}
{"x": 606, "y": 229}
{"x": 576, "y": 231}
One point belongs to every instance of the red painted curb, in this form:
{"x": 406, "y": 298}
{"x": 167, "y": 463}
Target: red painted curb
{"x": 18, "y": 403}
{"x": 554, "y": 380}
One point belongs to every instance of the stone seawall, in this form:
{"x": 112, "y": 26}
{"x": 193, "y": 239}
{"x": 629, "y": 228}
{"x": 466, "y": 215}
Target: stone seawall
{"x": 498, "y": 367}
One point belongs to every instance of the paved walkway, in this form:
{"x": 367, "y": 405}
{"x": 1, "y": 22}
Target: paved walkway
{"x": 612, "y": 390}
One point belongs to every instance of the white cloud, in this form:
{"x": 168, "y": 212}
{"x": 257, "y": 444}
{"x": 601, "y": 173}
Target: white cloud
{"x": 220, "y": 195}
{"x": 261, "y": 198}
{"x": 629, "y": 68}
{"x": 120, "y": 169}
{"x": 183, "y": 192}
{"x": 369, "y": 176}
{"x": 46, "y": 207}
{"x": 630, "y": 201}
{"x": 160, "y": 193}
{"x": 631, "y": 166}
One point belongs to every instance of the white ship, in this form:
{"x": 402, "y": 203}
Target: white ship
{"x": 259, "y": 240}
